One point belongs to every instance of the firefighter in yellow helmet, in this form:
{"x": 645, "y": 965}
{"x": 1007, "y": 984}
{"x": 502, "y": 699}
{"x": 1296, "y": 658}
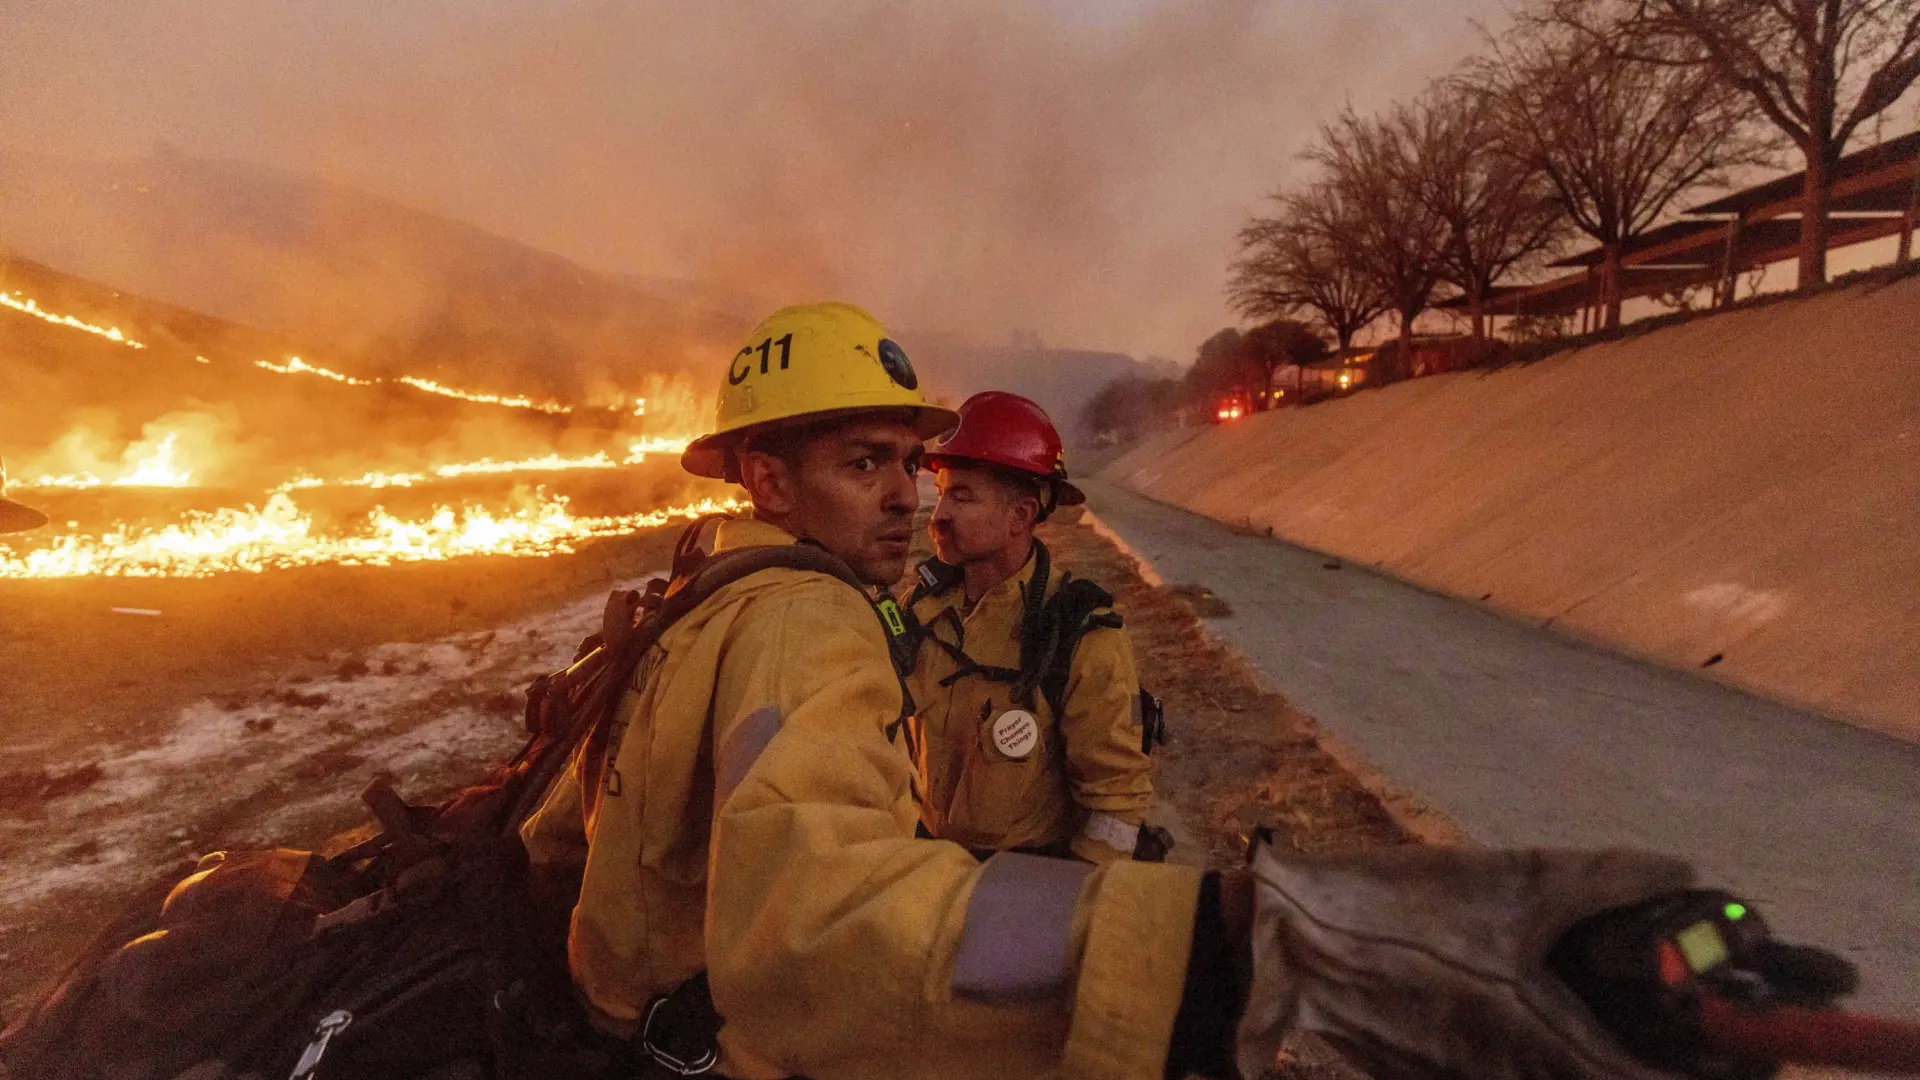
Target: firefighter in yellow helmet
{"x": 16, "y": 517}
{"x": 1031, "y": 717}
{"x": 753, "y": 884}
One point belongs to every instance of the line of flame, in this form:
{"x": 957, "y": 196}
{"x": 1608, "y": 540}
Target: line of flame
{"x": 515, "y": 400}
{"x": 157, "y": 471}
{"x": 280, "y": 536}
{"x": 297, "y": 366}
{"x": 637, "y": 451}
{"x": 26, "y": 305}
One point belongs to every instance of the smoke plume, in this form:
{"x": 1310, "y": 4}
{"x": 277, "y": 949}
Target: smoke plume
{"x": 1074, "y": 168}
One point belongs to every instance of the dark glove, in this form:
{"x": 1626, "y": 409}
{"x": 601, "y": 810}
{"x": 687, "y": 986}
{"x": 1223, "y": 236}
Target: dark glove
{"x": 1648, "y": 971}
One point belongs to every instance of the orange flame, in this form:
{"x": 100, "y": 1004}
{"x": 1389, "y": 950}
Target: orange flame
{"x": 26, "y": 305}
{"x": 514, "y": 401}
{"x": 281, "y": 536}
{"x": 637, "y": 451}
{"x": 155, "y": 467}
{"x": 297, "y": 366}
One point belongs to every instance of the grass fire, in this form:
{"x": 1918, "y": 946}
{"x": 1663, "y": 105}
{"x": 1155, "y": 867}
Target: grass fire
{"x": 214, "y": 488}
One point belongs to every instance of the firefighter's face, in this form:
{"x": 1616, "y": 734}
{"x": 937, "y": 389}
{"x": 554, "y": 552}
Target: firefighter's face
{"x": 850, "y": 488}
{"x": 978, "y": 515}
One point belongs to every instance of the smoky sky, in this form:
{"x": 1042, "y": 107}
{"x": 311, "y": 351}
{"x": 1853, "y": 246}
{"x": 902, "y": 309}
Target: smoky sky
{"x": 968, "y": 167}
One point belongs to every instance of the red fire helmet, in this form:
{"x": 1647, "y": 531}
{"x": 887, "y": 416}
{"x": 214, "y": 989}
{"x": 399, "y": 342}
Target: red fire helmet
{"x": 1007, "y": 430}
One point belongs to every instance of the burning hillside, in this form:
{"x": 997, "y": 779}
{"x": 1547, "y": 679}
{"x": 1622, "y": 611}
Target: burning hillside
{"x": 264, "y": 579}
{"x": 385, "y": 289}
{"x": 165, "y": 451}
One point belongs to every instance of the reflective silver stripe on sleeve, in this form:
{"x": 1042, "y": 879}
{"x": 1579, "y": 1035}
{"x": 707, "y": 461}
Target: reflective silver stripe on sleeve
{"x": 1106, "y": 829}
{"x": 1014, "y": 944}
{"x": 742, "y": 749}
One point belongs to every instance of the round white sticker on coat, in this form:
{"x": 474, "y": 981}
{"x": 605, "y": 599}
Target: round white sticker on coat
{"x": 1016, "y": 733}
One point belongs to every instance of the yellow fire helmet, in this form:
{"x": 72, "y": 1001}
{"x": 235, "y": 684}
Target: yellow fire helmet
{"x": 811, "y": 361}
{"x": 15, "y": 517}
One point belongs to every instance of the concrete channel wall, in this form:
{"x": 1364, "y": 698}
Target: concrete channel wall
{"x": 1739, "y": 495}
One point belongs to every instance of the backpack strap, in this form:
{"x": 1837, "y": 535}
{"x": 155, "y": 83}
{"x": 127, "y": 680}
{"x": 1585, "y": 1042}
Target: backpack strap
{"x": 1078, "y": 608}
{"x": 905, "y": 633}
{"x": 1037, "y": 644}
{"x": 965, "y": 666}
{"x": 587, "y": 694}
{"x": 1042, "y": 647}
{"x": 688, "y": 555}
{"x": 933, "y": 578}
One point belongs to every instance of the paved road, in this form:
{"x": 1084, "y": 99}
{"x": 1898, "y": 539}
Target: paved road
{"x": 1524, "y": 737}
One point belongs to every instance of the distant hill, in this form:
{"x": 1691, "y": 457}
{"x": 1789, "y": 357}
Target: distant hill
{"x": 1060, "y": 379}
{"x": 355, "y": 277}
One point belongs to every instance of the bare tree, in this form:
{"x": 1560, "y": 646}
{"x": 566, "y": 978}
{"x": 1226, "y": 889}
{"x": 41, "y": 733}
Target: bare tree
{"x": 1497, "y": 207}
{"x": 1298, "y": 265}
{"x": 1816, "y": 69}
{"x": 1392, "y": 236}
{"x": 1619, "y": 138}
{"x": 1281, "y": 343}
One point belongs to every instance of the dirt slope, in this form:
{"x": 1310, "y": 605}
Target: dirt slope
{"x": 250, "y": 710}
{"x": 1740, "y": 493}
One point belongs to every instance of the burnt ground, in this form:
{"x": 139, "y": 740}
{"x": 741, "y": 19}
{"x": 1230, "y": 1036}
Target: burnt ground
{"x": 254, "y": 707}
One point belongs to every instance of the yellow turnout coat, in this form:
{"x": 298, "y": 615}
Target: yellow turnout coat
{"x": 754, "y": 817}
{"x": 1002, "y": 774}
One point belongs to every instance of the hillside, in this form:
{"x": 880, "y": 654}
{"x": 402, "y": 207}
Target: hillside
{"x": 352, "y": 275}
{"x": 201, "y": 376}
{"x": 1738, "y": 495}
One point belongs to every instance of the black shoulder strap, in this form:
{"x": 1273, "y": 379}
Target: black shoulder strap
{"x": 722, "y": 569}
{"x": 933, "y": 578}
{"x": 1078, "y": 607}
{"x": 633, "y": 624}
{"x": 730, "y": 566}
{"x": 1038, "y": 643}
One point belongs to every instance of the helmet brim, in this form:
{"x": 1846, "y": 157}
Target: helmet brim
{"x": 18, "y": 517}
{"x": 707, "y": 455}
{"x": 1066, "y": 492}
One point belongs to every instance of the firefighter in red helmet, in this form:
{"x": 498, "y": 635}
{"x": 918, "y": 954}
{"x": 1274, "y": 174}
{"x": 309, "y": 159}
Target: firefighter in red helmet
{"x": 1032, "y": 728}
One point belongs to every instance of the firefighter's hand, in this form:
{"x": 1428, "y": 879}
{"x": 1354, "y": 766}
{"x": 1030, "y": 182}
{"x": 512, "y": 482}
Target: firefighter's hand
{"x": 1652, "y": 973}
{"x": 1430, "y": 962}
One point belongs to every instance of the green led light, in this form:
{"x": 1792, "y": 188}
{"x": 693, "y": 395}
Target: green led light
{"x": 1736, "y": 912}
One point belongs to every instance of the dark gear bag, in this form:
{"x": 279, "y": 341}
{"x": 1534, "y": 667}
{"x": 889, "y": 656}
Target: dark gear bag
{"x": 423, "y": 952}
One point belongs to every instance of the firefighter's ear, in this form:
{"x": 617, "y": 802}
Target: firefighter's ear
{"x": 769, "y": 481}
{"x": 1027, "y": 511}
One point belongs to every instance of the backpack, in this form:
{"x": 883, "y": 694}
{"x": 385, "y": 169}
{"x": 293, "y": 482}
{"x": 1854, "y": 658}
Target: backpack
{"x": 426, "y": 951}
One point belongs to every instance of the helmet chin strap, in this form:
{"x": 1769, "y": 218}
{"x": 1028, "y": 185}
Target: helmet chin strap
{"x": 1049, "y": 503}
